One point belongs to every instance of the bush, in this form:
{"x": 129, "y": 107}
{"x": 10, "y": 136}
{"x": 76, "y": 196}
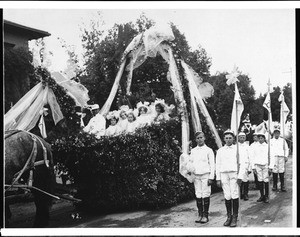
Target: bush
{"x": 125, "y": 172}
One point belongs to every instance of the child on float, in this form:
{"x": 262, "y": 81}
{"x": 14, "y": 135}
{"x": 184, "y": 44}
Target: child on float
{"x": 132, "y": 124}
{"x": 123, "y": 118}
{"x": 113, "y": 129}
{"x": 160, "y": 112}
{"x": 143, "y": 118}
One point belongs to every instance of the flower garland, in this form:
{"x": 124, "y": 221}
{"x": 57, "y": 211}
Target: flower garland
{"x": 66, "y": 103}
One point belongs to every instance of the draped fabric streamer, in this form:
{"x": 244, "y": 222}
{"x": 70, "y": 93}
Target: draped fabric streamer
{"x": 57, "y": 115}
{"x": 182, "y": 104}
{"x": 42, "y": 127}
{"x": 105, "y": 108}
{"x": 77, "y": 91}
{"x": 25, "y": 114}
{"x": 195, "y": 92}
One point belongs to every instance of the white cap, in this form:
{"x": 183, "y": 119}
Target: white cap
{"x": 242, "y": 134}
{"x": 228, "y": 131}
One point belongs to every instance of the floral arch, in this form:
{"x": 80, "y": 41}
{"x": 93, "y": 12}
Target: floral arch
{"x": 148, "y": 44}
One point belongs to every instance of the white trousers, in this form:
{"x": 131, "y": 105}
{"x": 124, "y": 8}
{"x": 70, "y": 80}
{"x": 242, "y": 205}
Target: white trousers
{"x": 245, "y": 177}
{"x": 229, "y": 185}
{"x": 202, "y": 190}
{"x": 262, "y": 173}
{"x": 279, "y": 164}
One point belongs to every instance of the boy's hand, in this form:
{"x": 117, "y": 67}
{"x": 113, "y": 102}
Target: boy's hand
{"x": 210, "y": 182}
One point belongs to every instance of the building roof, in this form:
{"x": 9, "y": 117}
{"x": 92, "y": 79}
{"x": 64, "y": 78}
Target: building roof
{"x": 32, "y": 33}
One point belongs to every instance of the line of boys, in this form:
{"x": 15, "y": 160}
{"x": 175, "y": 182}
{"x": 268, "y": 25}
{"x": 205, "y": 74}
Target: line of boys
{"x": 231, "y": 176}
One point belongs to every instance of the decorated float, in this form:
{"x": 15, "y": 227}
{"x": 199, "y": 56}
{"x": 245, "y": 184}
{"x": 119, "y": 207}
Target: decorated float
{"x": 146, "y": 167}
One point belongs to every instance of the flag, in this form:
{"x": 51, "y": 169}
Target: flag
{"x": 237, "y": 110}
{"x": 267, "y": 103}
{"x": 284, "y": 110}
{"x": 42, "y": 127}
{"x": 267, "y": 106}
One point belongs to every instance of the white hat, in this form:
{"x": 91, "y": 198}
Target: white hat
{"x": 242, "y": 134}
{"x": 95, "y": 106}
{"x": 228, "y": 131}
{"x": 276, "y": 128}
{"x": 112, "y": 114}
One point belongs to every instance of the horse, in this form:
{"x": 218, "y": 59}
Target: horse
{"x": 29, "y": 156}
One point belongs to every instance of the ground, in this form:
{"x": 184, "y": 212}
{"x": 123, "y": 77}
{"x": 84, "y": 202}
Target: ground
{"x": 278, "y": 213}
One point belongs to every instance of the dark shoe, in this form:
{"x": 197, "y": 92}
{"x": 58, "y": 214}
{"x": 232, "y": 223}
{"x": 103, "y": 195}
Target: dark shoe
{"x": 199, "y": 219}
{"x": 234, "y": 221}
{"x": 283, "y": 189}
{"x": 200, "y": 209}
{"x": 274, "y": 188}
{"x": 266, "y": 199}
{"x": 228, "y": 205}
{"x": 206, "y": 202}
{"x": 246, "y": 197}
{"x": 228, "y": 221}
{"x": 261, "y": 199}
{"x": 204, "y": 219}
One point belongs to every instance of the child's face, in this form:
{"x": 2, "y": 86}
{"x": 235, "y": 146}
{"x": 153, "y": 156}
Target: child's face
{"x": 143, "y": 111}
{"x": 228, "y": 139}
{"x": 255, "y": 138}
{"x": 200, "y": 139}
{"x": 130, "y": 118}
{"x": 113, "y": 121}
{"x": 242, "y": 138}
{"x": 157, "y": 109}
{"x": 123, "y": 115}
{"x": 261, "y": 139}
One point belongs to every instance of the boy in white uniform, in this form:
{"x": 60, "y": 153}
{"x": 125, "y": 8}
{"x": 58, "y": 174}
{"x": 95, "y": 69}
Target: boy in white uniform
{"x": 262, "y": 167}
{"x": 228, "y": 177}
{"x": 280, "y": 153}
{"x": 203, "y": 162}
{"x": 244, "y": 162}
{"x": 252, "y": 147}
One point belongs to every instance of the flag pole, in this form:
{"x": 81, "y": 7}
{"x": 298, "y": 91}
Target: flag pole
{"x": 237, "y": 150}
{"x": 269, "y": 135}
{"x": 282, "y": 122}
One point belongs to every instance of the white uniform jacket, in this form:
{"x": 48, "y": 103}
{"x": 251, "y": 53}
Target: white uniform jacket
{"x": 226, "y": 161}
{"x": 244, "y": 156}
{"x": 260, "y": 155}
{"x": 279, "y": 147}
{"x": 203, "y": 161}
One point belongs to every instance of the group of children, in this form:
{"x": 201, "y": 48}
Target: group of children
{"x": 126, "y": 120}
{"x": 233, "y": 164}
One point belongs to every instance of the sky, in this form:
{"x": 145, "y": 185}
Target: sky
{"x": 260, "y": 42}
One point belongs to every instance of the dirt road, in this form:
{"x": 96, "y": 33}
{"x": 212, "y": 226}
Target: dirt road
{"x": 278, "y": 213}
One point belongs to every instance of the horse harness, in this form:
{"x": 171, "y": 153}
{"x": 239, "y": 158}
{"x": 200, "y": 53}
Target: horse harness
{"x": 30, "y": 163}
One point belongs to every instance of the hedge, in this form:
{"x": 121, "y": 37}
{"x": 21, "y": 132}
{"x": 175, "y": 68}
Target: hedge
{"x": 128, "y": 171}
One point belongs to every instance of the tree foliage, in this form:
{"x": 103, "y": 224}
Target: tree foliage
{"x": 18, "y": 69}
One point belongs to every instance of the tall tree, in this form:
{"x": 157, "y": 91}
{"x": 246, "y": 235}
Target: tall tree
{"x": 220, "y": 104}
